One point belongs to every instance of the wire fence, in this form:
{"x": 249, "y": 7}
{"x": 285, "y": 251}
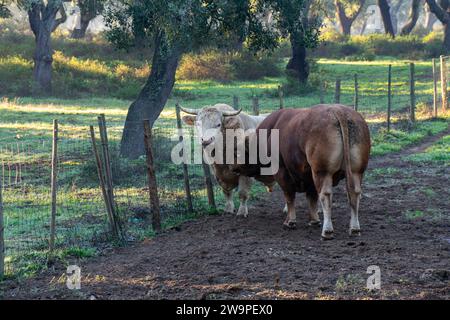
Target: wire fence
{"x": 82, "y": 222}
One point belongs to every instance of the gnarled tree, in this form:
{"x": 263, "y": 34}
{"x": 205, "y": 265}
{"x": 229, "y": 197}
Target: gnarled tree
{"x": 413, "y": 17}
{"x": 43, "y": 18}
{"x": 442, "y": 12}
{"x": 385, "y": 11}
{"x": 177, "y": 27}
{"x": 347, "y": 12}
{"x": 89, "y": 10}
{"x": 298, "y": 20}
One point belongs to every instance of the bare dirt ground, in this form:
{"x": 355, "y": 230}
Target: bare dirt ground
{"x": 405, "y": 221}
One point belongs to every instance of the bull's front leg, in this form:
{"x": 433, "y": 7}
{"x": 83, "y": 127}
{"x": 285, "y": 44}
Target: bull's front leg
{"x": 244, "y": 189}
{"x": 229, "y": 204}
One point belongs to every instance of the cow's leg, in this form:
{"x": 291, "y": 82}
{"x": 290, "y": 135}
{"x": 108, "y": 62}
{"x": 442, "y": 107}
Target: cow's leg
{"x": 229, "y": 204}
{"x": 324, "y": 184}
{"x": 291, "y": 218}
{"x": 244, "y": 189}
{"x": 285, "y": 209}
{"x": 354, "y": 196}
{"x": 313, "y": 197}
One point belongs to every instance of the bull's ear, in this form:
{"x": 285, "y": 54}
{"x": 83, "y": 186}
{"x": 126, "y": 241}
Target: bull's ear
{"x": 231, "y": 123}
{"x": 189, "y": 120}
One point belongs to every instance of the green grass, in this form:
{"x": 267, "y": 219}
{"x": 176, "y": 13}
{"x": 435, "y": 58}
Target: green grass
{"x": 385, "y": 142}
{"x": 439, "y": 152}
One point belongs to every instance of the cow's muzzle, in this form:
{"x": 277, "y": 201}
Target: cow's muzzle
{"x": 207, "y": 142}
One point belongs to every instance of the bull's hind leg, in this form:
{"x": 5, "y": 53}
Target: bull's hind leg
{"x": 312, "y": 197}
{"x": 353, "y": 197}
{"x": 244, "y": 188}
{"x": 291, "y": 218}
{"x": 324, "y": 185}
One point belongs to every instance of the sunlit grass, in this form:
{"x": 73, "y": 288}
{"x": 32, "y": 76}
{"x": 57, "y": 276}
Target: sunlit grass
{"x": 439, "y": 152}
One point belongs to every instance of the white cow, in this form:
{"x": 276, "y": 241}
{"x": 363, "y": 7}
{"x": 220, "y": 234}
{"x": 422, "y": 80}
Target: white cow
{"x": 211, "y": 122}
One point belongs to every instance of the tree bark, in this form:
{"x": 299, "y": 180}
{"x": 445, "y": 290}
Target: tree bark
{"x": 88, "y": 11}
{"x": 298, "y": 63}
{"x": 43, "y": 22}
{"x": 442, "y": 12}
{"x": 152, "y": 98}
{"x": 386, "y": 17}
{"x": 80, "y": 33}
{"x": 447, "y": 37}
{"x": 413, "y": 17}
{"x": 345, "y": 21}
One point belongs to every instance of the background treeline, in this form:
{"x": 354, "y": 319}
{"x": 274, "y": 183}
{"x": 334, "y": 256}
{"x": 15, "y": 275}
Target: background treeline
{"x": 93, "y": 67}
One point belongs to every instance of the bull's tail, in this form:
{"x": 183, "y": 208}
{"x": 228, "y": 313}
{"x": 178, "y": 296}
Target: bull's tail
{"x": 346, "y": 144}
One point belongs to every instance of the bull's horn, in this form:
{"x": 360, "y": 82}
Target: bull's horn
{"x": 190, "y": 111}
{"x": 231, "y": 113}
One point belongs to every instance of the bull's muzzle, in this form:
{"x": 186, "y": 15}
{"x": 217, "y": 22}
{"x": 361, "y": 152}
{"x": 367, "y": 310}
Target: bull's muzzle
{"x": 207, "y": 142}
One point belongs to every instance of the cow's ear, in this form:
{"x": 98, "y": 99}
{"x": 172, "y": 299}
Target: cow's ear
{"x": 189, "y": 120}
{"x": 231, "y": 123}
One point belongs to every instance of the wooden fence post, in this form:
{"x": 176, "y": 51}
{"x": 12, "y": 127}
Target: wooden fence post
{"x": 337, "y": 92}
{"x": 444, "y": 84}
{"x": 412, "y": 91}
{"x": 209, "y": 184}
{"x": 356, "y": 98}
{"x": 435, "y": 90}
{"x": 389, "y": 98}
{"x": 235, "y": 102}
{"x": 2, "y": 235}
{"x": 106, "y": 199}
{"x": 53, "y": 187}
{"x": 280, "y": 96}
{"x": 255, "y": 104}
{"x": 152, "y": 185}
{"x": 108, "y": 172}
{"x": 187, "y": 187}
{"x": 107, "y": 157}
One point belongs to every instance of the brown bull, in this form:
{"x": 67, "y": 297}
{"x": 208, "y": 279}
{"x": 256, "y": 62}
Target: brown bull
{"x": 318, "y": 147}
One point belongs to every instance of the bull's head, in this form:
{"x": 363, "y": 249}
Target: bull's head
{"x": 211, "y": 121}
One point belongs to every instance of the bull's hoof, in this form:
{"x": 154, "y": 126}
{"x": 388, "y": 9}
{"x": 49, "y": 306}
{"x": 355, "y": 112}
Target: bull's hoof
{"x": 354, "y": 233}
{"x": 242, "y": 213}
{"x": 228, "y": 210}
{"x": 328, "y": 235}
{"x": 314, "y": 223}
{"x": 290, "y": 225}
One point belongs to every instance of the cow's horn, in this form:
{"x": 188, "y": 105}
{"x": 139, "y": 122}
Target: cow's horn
{"x": 231, "y": 113}
{"x": 190, "y": 111}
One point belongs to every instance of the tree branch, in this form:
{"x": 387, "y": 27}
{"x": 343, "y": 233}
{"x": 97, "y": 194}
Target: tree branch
{"x": 62, "y": 19}
{"x": 34, "y": 17}
{"x": 439, "y": 12}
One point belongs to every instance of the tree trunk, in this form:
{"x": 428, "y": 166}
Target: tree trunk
{"x": 346, "y": 26}
{"x": 42, "y": 71}
{"x": 345, "y": 21}
{"x": 447, "y": 37}
{"x": 80, "y": 33}
{"x": 386, "y": 16}
{"x": 152, "y": 98}
{"x": 298, "y": 63}
{"x": 43, "y": 22}
{"x": 413, "y": 17}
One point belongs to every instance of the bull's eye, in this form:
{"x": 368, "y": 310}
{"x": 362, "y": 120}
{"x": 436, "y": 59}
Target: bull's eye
{"x": 218, "y": 125}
